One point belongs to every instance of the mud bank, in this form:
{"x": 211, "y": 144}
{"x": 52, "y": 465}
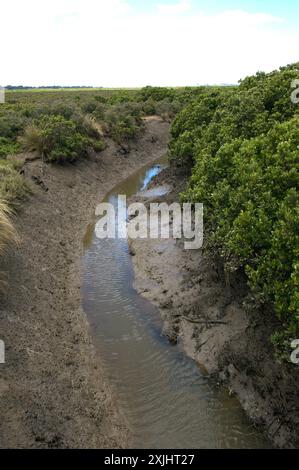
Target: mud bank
{"x": 203, "y": 311}
{"x": 52, "y": 389}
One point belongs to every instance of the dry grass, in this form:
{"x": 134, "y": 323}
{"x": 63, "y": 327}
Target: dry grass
{"x": 31, "y": 139}
{"x": 91, "y": 123}
{"x": 13, "y": 187}
{"x": 8, "y": 234}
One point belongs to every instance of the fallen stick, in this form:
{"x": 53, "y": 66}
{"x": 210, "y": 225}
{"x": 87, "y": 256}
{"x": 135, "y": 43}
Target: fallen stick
{"x": 212, "y": 322}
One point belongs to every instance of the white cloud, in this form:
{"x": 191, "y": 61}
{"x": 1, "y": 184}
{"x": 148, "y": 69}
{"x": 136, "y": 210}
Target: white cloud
{"x": 175, "y": 8}
{"x": 250, "y": 19}
{"x": 108, "y": 43}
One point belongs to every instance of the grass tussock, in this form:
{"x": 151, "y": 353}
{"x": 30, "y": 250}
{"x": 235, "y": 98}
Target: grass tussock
{"x": 91, "y": 123}
{"x": 13, "y": 187}
{"x": 8, "y": 234}
{"x": 61, "y": 140}
{"x": 31, "y": 140}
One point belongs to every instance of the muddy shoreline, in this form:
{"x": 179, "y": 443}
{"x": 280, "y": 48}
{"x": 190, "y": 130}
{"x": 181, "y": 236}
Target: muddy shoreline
{"x": 53, "y": 393}
{"x": 204, "y": 312}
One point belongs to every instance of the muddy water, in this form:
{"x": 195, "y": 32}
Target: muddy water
{"x": 165, "y": 398}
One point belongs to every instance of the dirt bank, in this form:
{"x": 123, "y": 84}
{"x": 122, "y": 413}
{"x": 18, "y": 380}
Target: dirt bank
{"x": 204, "y": 312}
{"x": 52, "y": 389}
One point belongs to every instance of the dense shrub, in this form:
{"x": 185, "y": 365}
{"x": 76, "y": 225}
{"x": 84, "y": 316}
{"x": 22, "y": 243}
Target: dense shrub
{"x": 89, "y": 106}
{"x": 167, "y": 109}
{"x": 120, "y": 98}
{"x": 117, "y": 113}
{"x": 166, "y": 102}
{"x": 55, "y": 108}
{"x": 188, "y": 127}
{"x": 124, "y": 121}
{"x": 8, "y": 147}
{"x": 101, "y": 99}
{"x": 99, "y": 113}
{"x": 149, "y": 107}
{"x": 243, "y": 146}
{"x": 12, "y": 121}
{"x": 155, "y": 93}
{"x": 62, "y": 126}
{"x": 60, "y": 140}
{"x": 123, "y": 128}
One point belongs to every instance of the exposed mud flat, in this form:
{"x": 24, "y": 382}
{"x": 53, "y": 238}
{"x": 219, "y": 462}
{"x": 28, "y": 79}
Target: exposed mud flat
{"x": 53, "y": 392}
{"x": 204, "y": 312}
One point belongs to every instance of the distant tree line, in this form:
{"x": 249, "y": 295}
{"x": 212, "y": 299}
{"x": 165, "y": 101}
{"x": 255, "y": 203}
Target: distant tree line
{"x": 53, "y": 87}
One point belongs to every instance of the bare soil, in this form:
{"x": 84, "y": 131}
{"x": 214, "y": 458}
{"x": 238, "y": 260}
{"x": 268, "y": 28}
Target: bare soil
{"x": 53, "y": 393}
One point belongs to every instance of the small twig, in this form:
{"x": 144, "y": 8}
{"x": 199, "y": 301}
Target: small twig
{"x": 276, "y": 431}
{"x": 202, "y": 344}
{"x": 206, "y": 321}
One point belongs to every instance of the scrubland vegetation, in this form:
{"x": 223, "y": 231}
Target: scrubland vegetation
{"x": 242, "y": 148}
{"x": 240, "y": 145}
{"x": 62, "y": 126}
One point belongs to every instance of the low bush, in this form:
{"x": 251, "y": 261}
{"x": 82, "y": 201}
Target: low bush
{"x": 149, "y": 107}
{"x": 124, "y": 122}
{"x": 242, "y": 146}
{"x": 12, "y": 121}
{"x": 156, "y": 94}
{"x": 61, "y": 140}
{"x": 8, "y": 147}
{"x": 167, "y": 109}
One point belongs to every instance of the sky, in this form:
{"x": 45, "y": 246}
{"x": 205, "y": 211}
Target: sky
{"x": 130, "y": 43}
